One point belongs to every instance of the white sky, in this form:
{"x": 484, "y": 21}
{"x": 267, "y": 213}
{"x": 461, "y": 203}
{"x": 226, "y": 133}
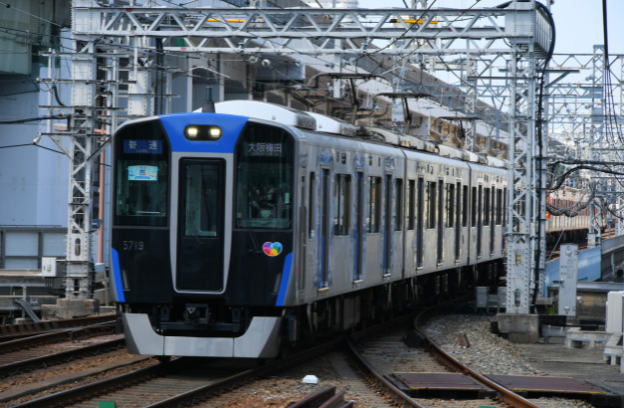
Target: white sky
{"x": 578, "y": 23}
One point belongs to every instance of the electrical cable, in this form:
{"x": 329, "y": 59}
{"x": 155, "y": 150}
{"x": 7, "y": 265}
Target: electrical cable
{"x": 11, "y": 122}
{"x": 32, "y": 144}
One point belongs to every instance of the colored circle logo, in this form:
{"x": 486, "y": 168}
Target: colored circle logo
{"x": 272, "y": 249}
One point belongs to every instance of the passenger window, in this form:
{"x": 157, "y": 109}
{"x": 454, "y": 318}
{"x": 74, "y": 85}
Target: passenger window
{"x": 312, "y": 205}
{"x": 410, "y": 204}
{"x": 497, "y": 207}
{"x": 504, "y": 207}
{"x": 465, "y": 206}
{"x": 486, "y": 207}
{"x": 450, "y": 205}
{"x": 398, "y": 203}
{"x": 474, "y": 207}
{"x": 342, "y": 189}
{"x": 431, "y": 204}
{"x": 373, "y": 204}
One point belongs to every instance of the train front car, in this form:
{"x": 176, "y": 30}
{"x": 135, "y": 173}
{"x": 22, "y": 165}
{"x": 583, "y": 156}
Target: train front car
{"x": 202, "y": 234}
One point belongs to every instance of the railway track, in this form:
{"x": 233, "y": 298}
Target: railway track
{"x": 377, "y": 360}
{"x": 364, "y": 369}
{"x": 183, "y": 381}
{"x": 43, "y": 350}
{"x": 9, "y": 332}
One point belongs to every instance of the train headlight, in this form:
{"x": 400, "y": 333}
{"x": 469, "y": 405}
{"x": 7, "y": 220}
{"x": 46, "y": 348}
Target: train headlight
{"x": 215, "y": 132}
{"x": 192, "y": 132}
{"x": 205, "y": 133}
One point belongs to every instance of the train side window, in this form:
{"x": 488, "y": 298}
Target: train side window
{"x": 312, "y": 205}
{"x": 409, "y": 194}
{"x": 450, "y": 205}
{"x": 504, "y": 207}
{"x": 486, "y": 206}
{"x": 474, "y": 207}
{"x": 464, "y": 206}
{"x": 499, "y": 206}
{"x": 398, "y": 204}
{"x": 342, "y": 189}
{"x": 431, "y": 205}
{"x": 373, "y": 204}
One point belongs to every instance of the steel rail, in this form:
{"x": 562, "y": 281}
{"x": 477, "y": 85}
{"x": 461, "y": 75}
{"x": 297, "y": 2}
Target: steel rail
{"x": 9, "y": 369}
{"x": 187, "y": 398}
{"x": 201, "y": 393}
{"x": 15, "y": 331}
{"x": 400, "y": 398}
{"x": 504, "y": 393}
{"x": 91, "y": 390}
{"x": 38, "y": 339}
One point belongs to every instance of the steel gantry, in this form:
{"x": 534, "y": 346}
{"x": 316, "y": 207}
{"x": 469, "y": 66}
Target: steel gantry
{"x": 587, "y": 124}
{"x": 146, "y": 40}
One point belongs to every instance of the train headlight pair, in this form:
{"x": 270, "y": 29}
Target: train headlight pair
{"x": 203, "y": 132}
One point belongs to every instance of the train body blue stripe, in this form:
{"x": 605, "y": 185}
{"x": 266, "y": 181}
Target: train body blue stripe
{"x": 230, "y": 125}
{"x": 117, "y": 276}
{"x": 285, "y": 278}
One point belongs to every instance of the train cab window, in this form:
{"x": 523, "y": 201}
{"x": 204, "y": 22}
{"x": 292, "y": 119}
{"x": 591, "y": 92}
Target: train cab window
{"x": 464, "y": 206}
{"x": 450, "y": 205}
{"x": 398, "y": 204}
{"x": 342, "y": 189}
{"x": 264, "y": 178}
{"x": 373, "y": 205}
{"x": 474, "y": 207}
{"x": 431, "y": 205}
{"x": 409, "y": 205}
{"x": 141, "y": 175}
{"x": 486, "y": 206}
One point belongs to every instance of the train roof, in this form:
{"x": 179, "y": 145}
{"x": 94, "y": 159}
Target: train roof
{"x": 325, "y": 124}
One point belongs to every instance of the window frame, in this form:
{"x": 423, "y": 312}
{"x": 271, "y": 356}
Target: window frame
{"x": 486, "y": 206}
{"x": 373, "y": 214}
{"x": 410, "y": 196}
{"x": 340, "y": 203}
{"x": 398, "y": 204}
{"x": 431, "y": 204}
{"x": 450, "y": 205}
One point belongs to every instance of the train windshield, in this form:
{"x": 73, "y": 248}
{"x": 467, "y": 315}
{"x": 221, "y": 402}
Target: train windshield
{"x": 141, "y": 175}
{"x": 264, "y": 178}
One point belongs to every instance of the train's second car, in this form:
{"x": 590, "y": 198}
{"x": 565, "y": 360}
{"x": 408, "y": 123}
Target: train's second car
{"x": 231, "y": 233}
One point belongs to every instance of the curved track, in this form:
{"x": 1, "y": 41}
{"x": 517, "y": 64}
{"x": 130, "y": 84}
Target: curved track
{"x": 431, "y": 359}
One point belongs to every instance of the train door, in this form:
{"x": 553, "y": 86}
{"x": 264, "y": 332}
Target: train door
{"x": 458, "y": 212}
{"x": 200, "y": 225}
{"x": 420, "y": 222}
{"x": 440, "y": 225}
{"x": 359, "y": 225}
{"x": 325, "y": 231}
{"x": 388, "y": 229}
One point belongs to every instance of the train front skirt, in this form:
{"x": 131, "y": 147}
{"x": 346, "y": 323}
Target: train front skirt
{"x": 261, "y": 340}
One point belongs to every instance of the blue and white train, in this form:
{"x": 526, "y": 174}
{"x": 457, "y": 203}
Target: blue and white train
{"x": 240, "y": 232}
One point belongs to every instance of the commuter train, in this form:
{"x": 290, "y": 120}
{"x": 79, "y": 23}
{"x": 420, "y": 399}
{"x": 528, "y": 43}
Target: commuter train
{"x": 572, "y": 228}
{"x": 242, "y": 232}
